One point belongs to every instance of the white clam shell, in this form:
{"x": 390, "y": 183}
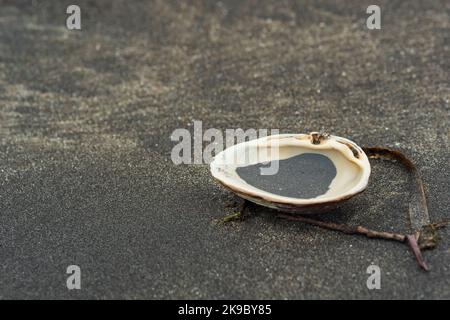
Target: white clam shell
{"x": 352, "y": 169}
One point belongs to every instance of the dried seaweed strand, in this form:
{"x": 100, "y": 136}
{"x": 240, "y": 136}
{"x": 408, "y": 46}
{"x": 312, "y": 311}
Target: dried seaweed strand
{"x": 237, "y": 214}
{"x": 425, "y": 236}
{"x": 418, "y": 209}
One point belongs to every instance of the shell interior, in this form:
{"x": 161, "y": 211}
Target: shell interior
{"x": 293, "y": 169}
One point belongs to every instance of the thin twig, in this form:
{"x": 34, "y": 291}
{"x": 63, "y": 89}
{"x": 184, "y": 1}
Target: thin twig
{"x": 347, "y": 229}
{"x": 411, "y": 239}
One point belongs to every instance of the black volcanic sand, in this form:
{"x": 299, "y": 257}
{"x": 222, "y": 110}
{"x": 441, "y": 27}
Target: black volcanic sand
{"x": 86, "y": 116}
{"x": 305, "y": 176}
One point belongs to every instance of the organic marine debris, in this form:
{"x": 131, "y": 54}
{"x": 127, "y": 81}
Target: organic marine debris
{"x": 422, "y": 236}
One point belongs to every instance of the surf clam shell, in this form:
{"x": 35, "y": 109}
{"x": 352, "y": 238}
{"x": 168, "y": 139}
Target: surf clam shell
{"x": 297, "y": 173}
